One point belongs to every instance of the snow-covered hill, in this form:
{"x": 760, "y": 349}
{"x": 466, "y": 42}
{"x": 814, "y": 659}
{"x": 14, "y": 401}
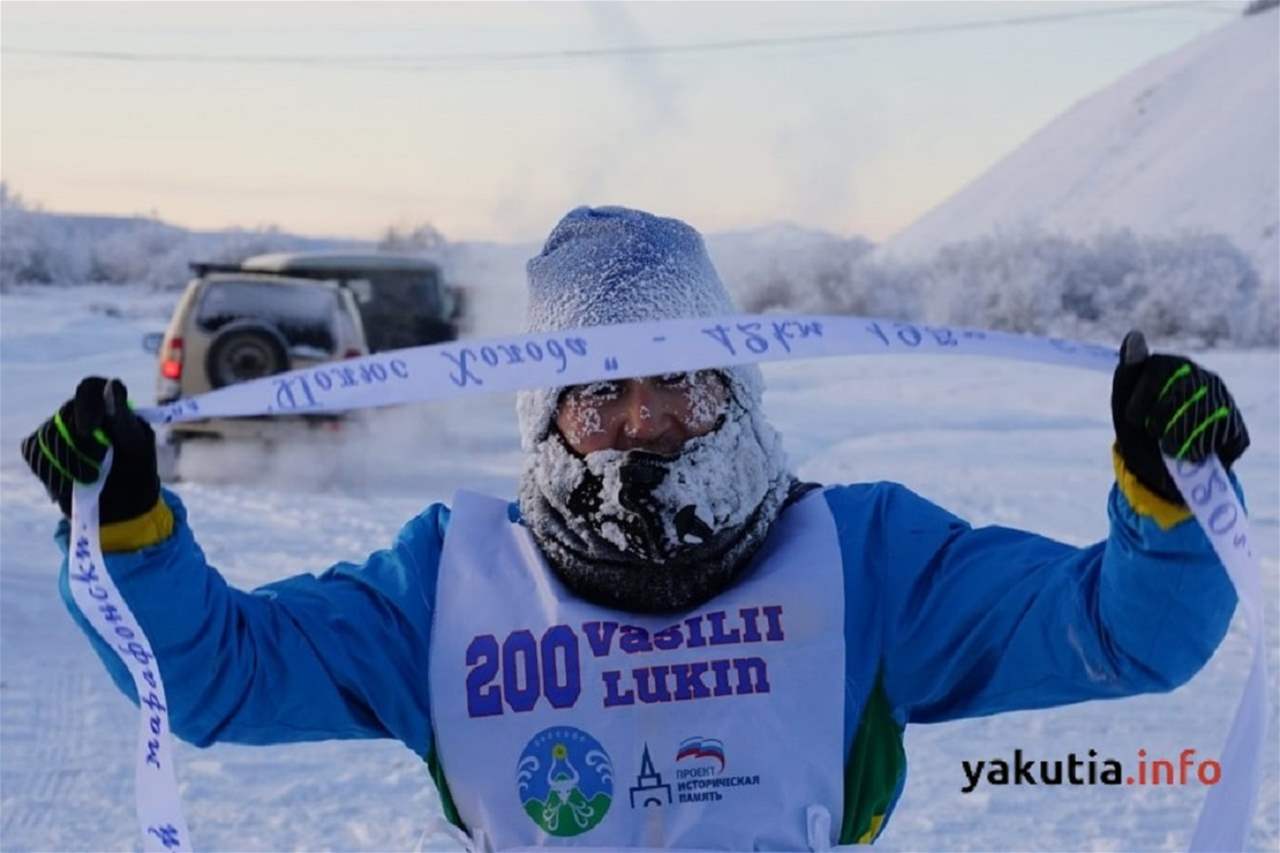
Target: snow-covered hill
{"x": 1187, "y": 142}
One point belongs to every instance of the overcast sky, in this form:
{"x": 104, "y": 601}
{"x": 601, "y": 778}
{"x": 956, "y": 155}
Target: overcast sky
{"x": 342, "y": 119}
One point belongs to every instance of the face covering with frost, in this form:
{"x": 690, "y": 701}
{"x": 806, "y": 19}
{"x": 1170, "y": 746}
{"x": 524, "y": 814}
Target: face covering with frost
{"x": 650, "y": 533}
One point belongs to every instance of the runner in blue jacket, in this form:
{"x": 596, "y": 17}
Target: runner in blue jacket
{"x": 653, "y": 500}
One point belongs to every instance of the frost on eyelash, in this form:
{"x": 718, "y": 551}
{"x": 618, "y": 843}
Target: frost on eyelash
{"x": 704, "y": 393}
{"x": 603, "y": 390}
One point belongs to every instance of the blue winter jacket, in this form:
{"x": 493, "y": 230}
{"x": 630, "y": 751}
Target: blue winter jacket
{"x": 941, "y": 621}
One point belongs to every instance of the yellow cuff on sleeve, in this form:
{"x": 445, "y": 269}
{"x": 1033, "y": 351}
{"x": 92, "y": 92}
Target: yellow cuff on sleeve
{"x": 1143, "y": 500}
{"x": 144, "y": 530}
{"x": 870, "y": 835}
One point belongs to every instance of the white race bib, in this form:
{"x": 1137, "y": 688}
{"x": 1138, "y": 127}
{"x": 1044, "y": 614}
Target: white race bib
{"x": 560, "y": 722}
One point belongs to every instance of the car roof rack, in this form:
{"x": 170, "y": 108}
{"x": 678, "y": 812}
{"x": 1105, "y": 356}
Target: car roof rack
{"x": 331, "y": 266}
{"x": 339, "y": 264}
{"x": 202, "y": 267}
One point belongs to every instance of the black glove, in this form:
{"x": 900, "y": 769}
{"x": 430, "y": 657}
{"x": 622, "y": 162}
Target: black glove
{"x": 1171, "y": 405}
{"x": 72, "y": 443}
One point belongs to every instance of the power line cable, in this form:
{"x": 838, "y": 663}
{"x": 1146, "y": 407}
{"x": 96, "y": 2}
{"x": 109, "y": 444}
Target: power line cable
{"x": 424, "y": 62}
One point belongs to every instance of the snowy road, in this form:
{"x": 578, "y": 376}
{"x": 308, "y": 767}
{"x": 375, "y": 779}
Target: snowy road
{"x": 995, "y": 442}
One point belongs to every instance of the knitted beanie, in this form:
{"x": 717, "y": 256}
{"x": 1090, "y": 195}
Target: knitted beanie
{"x": 606, "y": 265}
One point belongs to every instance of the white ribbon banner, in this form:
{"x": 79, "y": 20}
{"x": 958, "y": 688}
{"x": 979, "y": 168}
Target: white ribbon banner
{"x": 556, "y": 359}
{"x": 1228, "y": 806}
{"x": 158, "y": 805}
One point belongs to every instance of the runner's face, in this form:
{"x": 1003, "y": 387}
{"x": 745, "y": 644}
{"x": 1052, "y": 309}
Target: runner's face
{"x": 657, "y": 413}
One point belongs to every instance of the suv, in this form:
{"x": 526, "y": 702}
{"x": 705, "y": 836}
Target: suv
{"x": 274, "y": 313}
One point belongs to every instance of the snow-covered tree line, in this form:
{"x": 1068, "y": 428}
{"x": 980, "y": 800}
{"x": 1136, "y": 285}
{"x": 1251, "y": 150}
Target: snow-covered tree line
{"x": 1195, "y": 288}
{"x": 44, "y": 248}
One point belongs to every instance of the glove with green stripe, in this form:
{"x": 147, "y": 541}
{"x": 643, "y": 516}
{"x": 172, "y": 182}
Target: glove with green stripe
{"x": 1168, "y": 404}
{"x": 71, "y": 445}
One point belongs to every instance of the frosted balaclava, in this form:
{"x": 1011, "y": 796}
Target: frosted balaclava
{"x": 632, "y": 529}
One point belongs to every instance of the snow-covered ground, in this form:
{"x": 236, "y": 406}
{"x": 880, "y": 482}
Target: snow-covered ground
{"x": 995, "y": 442}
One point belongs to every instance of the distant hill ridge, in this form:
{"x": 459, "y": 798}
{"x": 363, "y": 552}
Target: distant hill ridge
{"x": 1186, "y": 143}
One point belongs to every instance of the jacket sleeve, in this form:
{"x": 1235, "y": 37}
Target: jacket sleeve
{"x": 339, "y": 655}
{"x": 979, "y": 621}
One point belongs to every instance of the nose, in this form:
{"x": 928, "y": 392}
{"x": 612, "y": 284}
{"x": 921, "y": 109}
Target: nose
{"x": 647, "y": 424}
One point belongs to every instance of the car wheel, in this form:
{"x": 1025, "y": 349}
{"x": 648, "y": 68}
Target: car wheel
{"x": 243, "y": 351}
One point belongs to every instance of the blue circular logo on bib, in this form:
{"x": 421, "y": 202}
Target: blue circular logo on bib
{"x": 565, "y": 781}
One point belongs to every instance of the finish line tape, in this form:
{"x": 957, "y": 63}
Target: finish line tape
{"x": 556, "y": 359}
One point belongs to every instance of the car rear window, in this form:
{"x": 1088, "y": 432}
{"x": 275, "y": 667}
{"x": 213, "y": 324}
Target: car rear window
{"x": 306, "y": 316}
{"x": 403, "y": 310}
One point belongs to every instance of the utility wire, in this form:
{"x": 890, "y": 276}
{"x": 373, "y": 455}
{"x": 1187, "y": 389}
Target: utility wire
{"x": 430, "y": 61}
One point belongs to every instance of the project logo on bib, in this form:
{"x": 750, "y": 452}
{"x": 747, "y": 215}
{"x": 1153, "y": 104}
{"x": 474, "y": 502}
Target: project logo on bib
{"x": 565, "y": 781}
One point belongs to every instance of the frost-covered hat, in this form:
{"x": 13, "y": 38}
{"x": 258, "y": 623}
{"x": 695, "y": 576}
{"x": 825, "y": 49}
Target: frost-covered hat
{"x": 607, "y": 265}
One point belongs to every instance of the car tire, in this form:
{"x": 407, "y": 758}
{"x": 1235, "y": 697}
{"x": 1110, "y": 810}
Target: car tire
{"x": 245, "y": 350}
